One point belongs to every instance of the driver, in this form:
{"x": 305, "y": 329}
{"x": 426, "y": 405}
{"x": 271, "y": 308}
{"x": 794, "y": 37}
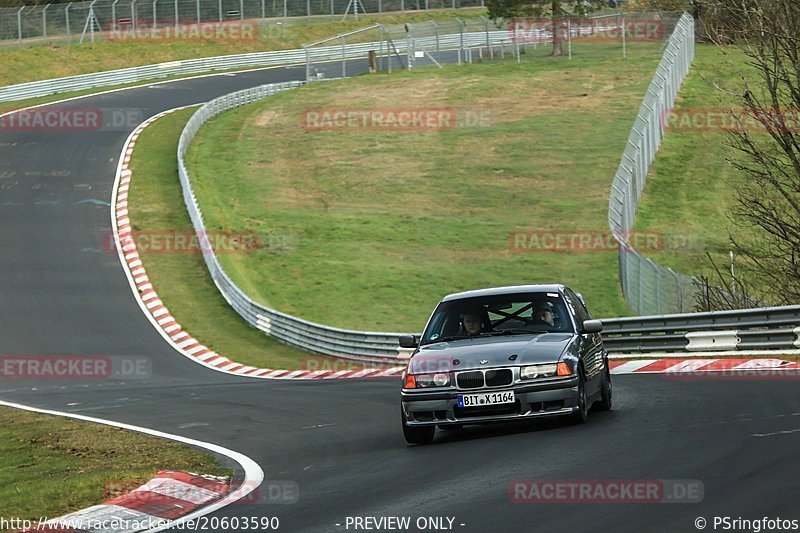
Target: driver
{"x": 543, "y": 314}
{"x": 472, "y": 322}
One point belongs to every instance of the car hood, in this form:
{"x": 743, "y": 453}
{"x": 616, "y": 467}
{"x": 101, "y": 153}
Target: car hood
{"x": 496, "y": 351}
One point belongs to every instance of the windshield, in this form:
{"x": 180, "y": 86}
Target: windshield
{"x": 506, "y": 314}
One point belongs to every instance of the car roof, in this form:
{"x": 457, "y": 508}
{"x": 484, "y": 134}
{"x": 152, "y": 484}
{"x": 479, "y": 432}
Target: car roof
{"x": 512, "y": 289}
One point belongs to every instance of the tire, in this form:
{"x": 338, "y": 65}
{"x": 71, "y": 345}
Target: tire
{"x": 582, "y": 414}
{"x": 606, "y": 401}
{"x": 418, "y": 435}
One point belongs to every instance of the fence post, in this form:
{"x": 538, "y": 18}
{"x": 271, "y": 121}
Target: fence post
{"x": 461, "y": 28}
{"x": 308, "y": 64}
{"x": 308, "y": 8}
{"x": 285, "y": 9}
{"x": 155, "y": 15}
{"x": 344, "y": 57}
{"x": 133, "y": 15}
{"x": 219, "y": 4}
{"x": 66, "y": 17}
{"x": 176, "y": 17}
{"x": 241, "y": 9}
{"x": 19, "y": 24}
{"x": 333, "y": 12}
{"x": 263, "y": 9}
{"x": 488, "y": 41}
{"x": 197, "y": 9}
{"x": 44, "y": 20}
{"x": 624, "y": 41}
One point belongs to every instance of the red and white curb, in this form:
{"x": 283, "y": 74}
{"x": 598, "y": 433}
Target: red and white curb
{"x": 166, "y": 497}
{"x": 190, "y": 347}
{"x": 198, "y": 498}
{"x": 694, "y": 365}
{"x": 160, "y": 316}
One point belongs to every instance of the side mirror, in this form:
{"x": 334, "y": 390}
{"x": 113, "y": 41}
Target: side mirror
{"x": 409, "y": 341}
{"x": 592, "y": 326}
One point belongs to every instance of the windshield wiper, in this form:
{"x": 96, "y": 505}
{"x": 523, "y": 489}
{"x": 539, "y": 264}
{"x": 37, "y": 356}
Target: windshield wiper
{"x": 518, "y": 332}
{"x": 448, "y": 339}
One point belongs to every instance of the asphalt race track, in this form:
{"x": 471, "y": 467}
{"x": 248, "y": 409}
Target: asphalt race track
{"x": 62, "y": 293}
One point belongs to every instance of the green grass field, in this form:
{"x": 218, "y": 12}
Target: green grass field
{"x": 50, "y": 466}
{"x": 381, "y": 224}
{"x": 691, "y": 185}
{"x": 182, "y": 280}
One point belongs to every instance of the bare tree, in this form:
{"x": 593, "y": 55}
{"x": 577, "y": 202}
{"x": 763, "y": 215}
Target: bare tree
{"x": 765, "y": 137}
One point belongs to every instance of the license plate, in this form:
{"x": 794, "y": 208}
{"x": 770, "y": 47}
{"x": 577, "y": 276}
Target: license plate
{"x": 488, "y": 398}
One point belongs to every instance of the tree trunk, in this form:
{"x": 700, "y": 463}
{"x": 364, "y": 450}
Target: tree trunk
{"x": 558, "y": 29}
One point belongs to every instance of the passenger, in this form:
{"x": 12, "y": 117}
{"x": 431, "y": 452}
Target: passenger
{"x": 543, "y": 314}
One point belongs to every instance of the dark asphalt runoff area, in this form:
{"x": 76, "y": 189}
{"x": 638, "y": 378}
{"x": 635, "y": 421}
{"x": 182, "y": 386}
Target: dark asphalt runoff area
{"x": 63, "y": 293}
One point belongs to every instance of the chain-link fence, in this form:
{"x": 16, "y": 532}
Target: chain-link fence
{"x": 648, "y": 287}
{"x": 58, "y": 22}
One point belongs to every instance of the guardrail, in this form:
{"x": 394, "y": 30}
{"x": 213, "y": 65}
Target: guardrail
{"x": 220, "y": 63}
{"x": 768, "y": 328}
{"x": 650, "y": 288}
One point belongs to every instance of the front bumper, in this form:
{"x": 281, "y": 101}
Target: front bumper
{"x": 553, "y": 397}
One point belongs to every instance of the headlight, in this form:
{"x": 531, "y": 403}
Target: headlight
{"x": 421, "y": 381}
{"x": 538, "y": 371}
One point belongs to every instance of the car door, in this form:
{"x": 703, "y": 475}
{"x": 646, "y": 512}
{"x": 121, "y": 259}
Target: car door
{"x": 591, "y": 345}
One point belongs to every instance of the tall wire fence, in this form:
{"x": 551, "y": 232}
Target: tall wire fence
{"x": 648, "y": 287}
{"x": 70, "y": 21}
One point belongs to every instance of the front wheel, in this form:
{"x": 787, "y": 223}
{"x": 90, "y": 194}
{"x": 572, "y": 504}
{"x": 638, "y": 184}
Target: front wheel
{"x": 417, "y": 435}
{"x": 582, "y": 414}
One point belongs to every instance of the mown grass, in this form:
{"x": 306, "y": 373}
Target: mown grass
{"x": 18, "y": 65}
{"x": 691, "y": 186}
{"x": 50, "y": 466}
{"x": 376, "y": 226}
{"x": 181, "y": 279}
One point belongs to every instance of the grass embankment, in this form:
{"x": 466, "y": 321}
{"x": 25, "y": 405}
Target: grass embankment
{"x": 50, "y": 466}
{"x": 691, "y": 186}
{"x": 43, "y": 62}
{"x": 181, "y": 279}
{"x": 382, "y": 223}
